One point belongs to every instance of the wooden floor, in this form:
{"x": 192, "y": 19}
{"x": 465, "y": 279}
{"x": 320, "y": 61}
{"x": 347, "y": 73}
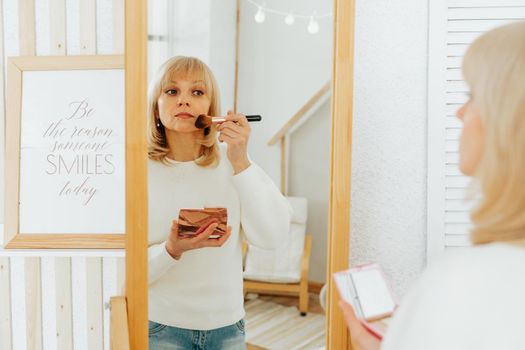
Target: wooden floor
{"x": 313, "y": 307}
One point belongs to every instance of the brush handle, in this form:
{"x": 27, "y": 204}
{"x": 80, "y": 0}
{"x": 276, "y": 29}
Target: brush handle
{"x": 250, "y": 118}
{"x": 254, "y": 118}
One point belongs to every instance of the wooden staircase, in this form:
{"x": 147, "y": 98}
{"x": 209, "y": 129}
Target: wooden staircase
{"x": 300, "y": 116}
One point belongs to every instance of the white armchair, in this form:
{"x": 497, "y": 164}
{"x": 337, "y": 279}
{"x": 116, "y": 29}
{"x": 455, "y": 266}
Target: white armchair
{"x": 283, "y": 271}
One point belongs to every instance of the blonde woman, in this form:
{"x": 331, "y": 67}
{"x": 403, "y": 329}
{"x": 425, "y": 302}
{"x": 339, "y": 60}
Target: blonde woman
{"x": 195, "y": 284}
{"x": 475, "y": 298}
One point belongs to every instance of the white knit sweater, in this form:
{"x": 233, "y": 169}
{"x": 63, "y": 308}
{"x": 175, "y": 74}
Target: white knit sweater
{"x": 203, "y": 290}
{"x": 473, "y": 299}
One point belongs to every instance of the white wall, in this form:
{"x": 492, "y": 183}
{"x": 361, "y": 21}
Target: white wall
{"x": 309, "y": 177}
{"x": 280, "y": 68}
{"x": 222, "y": 48}
{"x": 388, "y": 206}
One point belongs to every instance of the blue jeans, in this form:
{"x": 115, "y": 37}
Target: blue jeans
{"x": 162, "y": 337}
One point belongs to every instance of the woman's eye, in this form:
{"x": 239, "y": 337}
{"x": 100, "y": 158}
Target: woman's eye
{"x": 171, "y": 92}
{"x": 198, "y": 92}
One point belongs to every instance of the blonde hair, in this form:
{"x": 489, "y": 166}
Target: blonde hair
{"x": 494, "y": 68}
{"x": 181, "y": 66}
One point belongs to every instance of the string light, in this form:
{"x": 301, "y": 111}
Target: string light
{"x": 289, "y": 17}
{"x": 313, "y": 26}
{"x": 260, "y": 16}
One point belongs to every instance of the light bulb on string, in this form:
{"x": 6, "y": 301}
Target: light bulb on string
{"x": 289, "y": 19}
{"x": 313, "y": 26}
{"x": 260, "y": 16}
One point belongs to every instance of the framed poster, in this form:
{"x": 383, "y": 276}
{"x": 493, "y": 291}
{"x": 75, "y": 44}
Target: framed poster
{"x": 65, "y": 152}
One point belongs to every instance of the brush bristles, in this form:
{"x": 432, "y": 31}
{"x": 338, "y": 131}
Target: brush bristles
{"x": 203, "y": 121}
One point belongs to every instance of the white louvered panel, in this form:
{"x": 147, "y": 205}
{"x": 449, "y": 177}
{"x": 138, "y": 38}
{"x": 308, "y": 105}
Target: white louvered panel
{"x": 457, "y": 181}
{"x": 451, "y": 146}
{"x": 484, "y": 3}
{"x": 457, "y": 240}
{"x": 457, "y": 205}
{"x": 451, "y": 121}
{"x": 452, "y": 170}
{"x": 454, "y": 74}
{"x": 456, "y": 98}
{"x": 457, "y": 217}
{"x": 466, "y": 20}
{"x": 475, "y": 25}
{"x": 453, "y": 250}
{"x": 456, "y": 86}
{"x": 455, "y": 193}
{"x": 456, "y": 50}
{"x": 457, "y": 229}
{"x": 455, "y": 62}
{"x": 461, "y": 38}
{"x": 505, "y": 12}
{"x": 451, "y": 158}
{"x": 452, "y": 134}
{"x": 454, "y": 25}
{"x": 451, "y": 110}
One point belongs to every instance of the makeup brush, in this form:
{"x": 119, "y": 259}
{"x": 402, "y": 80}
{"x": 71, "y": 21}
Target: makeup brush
{"x": 204, "y": 121}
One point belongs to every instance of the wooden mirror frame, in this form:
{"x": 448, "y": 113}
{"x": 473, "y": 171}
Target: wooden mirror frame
{"x": 136, "y": 59}
{"x": 136, "y": 169}
{"x": 340, "y": 166}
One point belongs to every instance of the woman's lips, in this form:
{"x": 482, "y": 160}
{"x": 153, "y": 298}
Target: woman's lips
{"x": 184, "y": 116}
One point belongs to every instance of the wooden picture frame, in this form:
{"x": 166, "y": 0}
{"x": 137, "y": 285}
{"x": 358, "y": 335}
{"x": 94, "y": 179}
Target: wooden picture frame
{"x": 70, "y": 68}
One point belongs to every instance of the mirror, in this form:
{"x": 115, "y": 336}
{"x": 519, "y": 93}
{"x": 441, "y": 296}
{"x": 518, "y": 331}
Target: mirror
{"x": 274, "y": 60}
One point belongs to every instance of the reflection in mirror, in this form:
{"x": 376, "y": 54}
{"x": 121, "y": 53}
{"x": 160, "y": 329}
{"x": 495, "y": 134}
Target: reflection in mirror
{"x": 270, "y": 179}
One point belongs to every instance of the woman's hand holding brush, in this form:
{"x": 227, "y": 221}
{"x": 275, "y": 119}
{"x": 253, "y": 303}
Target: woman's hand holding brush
{"x": 235, "y": 131}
